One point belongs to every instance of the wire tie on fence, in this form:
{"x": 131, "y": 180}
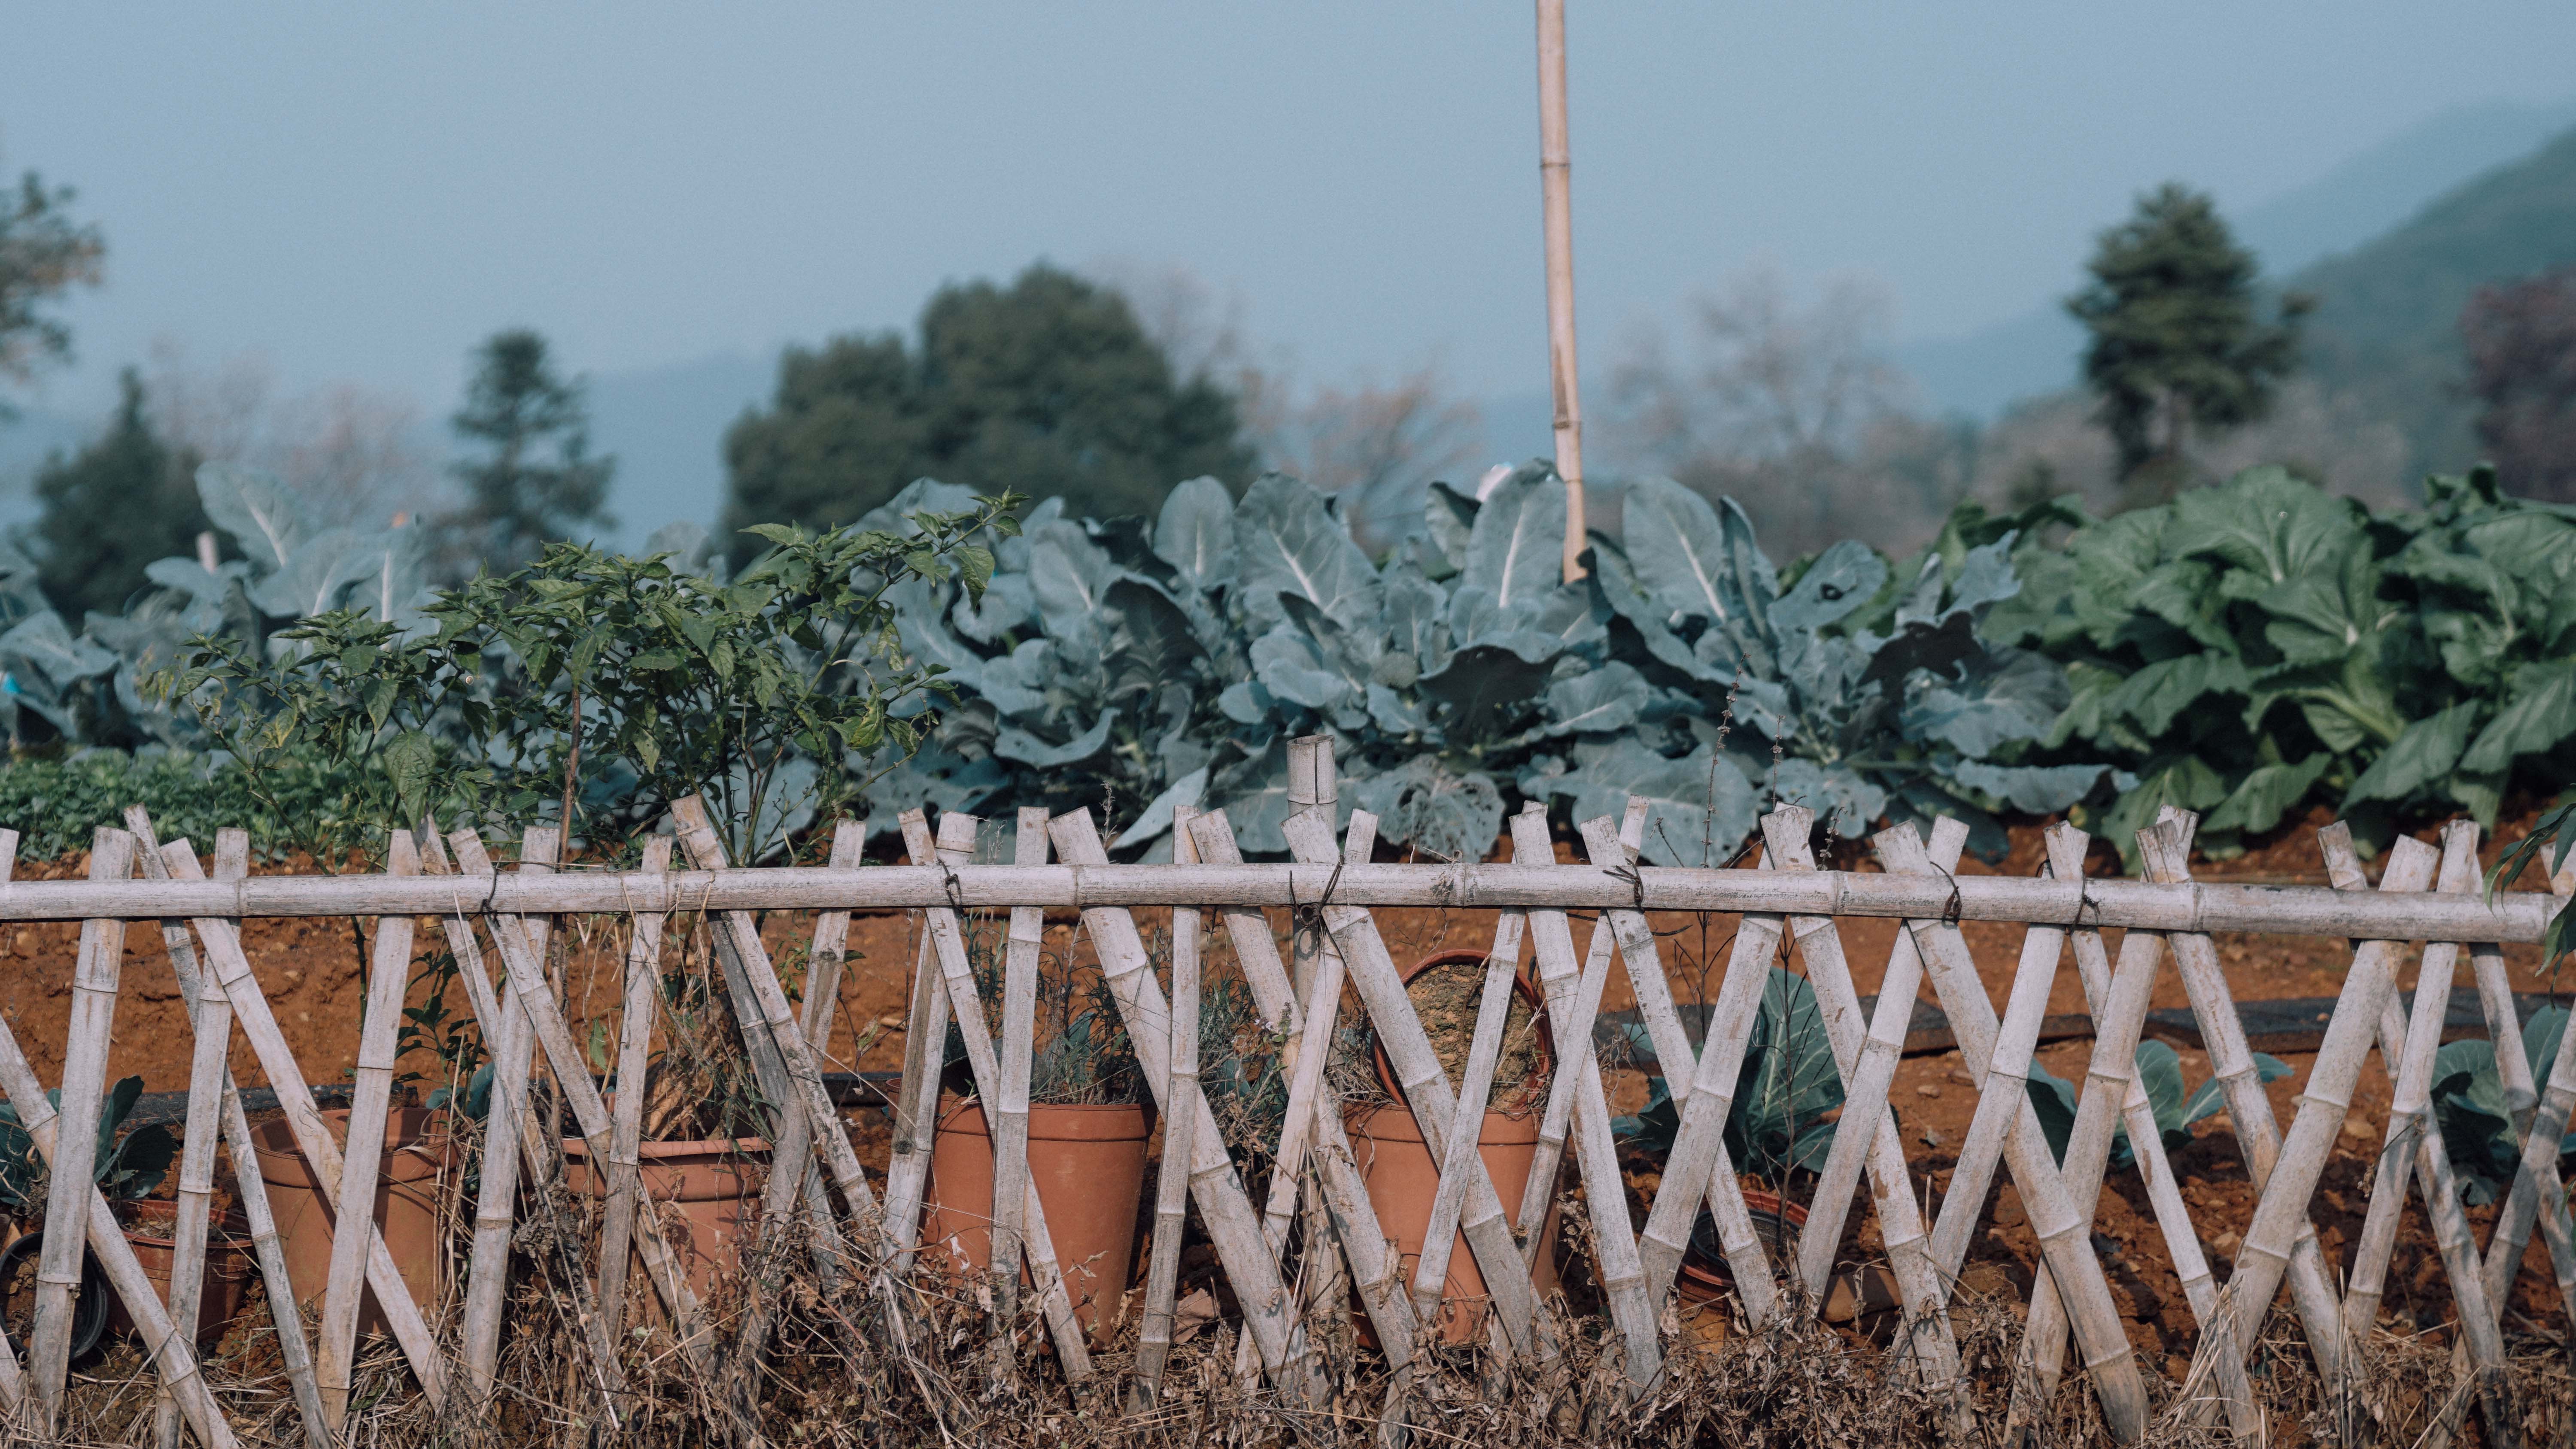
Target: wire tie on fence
{"x": 1308, "y": 916}
{"x": 1636, "y": 883}
{"x": 1954, "y": 908}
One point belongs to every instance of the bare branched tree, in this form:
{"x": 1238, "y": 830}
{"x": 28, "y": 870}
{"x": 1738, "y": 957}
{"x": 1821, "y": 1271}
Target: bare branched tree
{"x": 352, "y": 456}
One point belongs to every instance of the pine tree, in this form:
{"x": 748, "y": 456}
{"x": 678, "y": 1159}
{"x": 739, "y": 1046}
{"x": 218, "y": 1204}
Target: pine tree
{"x": 1047, "y": 386}
{"x": 2177, "y": 346}
{"x": 538, "y": 483}
{"x": 111, "y": 509}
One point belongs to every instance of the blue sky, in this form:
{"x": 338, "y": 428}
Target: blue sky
{"x": 363, "y": 191}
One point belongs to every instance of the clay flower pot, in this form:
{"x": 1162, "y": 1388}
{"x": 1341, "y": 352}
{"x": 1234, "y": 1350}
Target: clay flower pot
{"x": 1534, "y": 1087}
{"x": 1089, "y": 1166}
{"x": 150, "y": 1226}
{"x": 715, "y": 1185}
{"x": 418, "y": 1151}
{"x": 1402, "y": 1178}
{"x": 1705, "y": 1273}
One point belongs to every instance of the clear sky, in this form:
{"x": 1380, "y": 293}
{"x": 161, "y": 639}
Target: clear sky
{"x": 363, "y": 191}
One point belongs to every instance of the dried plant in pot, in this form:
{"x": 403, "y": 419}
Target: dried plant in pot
{"x": 130, "y": 1164}
{"x": 1398, "y": 1167}
{"x": 1090, "y": 1127}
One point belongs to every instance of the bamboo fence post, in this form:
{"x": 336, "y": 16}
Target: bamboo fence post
{"x": 817, "y": 1013}
{"x": 13, "y": 1379}
{"x": 1023, "y": 953}
{"x": 641, "y": 995}
{"x": 916, "y": 1107}
{"x": 170, "y": 1351}
{"x": 1181, "y": 1093}
{"x": 1375, "y": 1271}
{"x": 93, "y": 1016}
{"x": 2063, "y": 1229}
{"x": 541, "y": 1022}
{"x": 1475, "y": 1090}
{"x": 1577, "y": 1104}
{"x": 1555, "y": 171}
{"x": 370, "y": 1101}
{"x": 768, "y": 1019}
{"x": 211, "y": 1045}
{"x": 232, "y": 863}
{"x": 1428, "y": 1094}
{"x": 1037, "y": 1241}
{"x": 2287, "y": 1175}
{"x": 1698, "y": 1165}
{"x": 1931, "y": 1344}
{"x": 506, "y": 1123}
{"x": 2537, "y": 1195}
{"x": 2414, "y": 1134}
{"x": 1319, "y": 981}
{"x": 1314, "y": 791}
{"x": 1226, "y": 1212}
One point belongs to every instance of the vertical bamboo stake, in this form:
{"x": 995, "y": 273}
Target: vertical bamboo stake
{"x": 1021, "y": 958}
{"x": 1428, "y": 1094}
{"x": 232, "y": 863}
{"x": 207, "y": 1081}
{"x": 626, "y": 1114}
{"x": 1930, "y": 1344}
{"x": 817, "y": 1016}
{"x": 1314, "y": 791}
{"x": 1555, "y": 173}
{"x": 1577, "y": 1103}
{"x": 2061, "y": 1226}
{"x": 1375, "y": 1271}
{"x": 505, "y": 1119}
{"x": 1214, "y": 1187}
{"x": 370, "y": 1101}
{"x": 1475, "y": 1090}
{"x": 2537, "y": 1194}
{"x": 916, "y": 1106}
{"x": 2249, "y": 1111}
{"x": 93, "y": 1015}
{"x": 1037, "y": 1242}
{"x": 2287, "y": 1175}
{"x": 13, "y": 1380}
{"x": 1180, "y": 1116}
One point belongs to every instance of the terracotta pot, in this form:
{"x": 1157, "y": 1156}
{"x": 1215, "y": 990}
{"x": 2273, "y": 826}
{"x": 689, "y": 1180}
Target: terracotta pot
{"x": 418, "y": 1152}
{"x": 1089, "y": 1166}
{"x": 1402, "y": 1178}
{"x": 230, "y": 1265}
{"x": 1523, "y": 986}
{"x": 715, "y": 1185}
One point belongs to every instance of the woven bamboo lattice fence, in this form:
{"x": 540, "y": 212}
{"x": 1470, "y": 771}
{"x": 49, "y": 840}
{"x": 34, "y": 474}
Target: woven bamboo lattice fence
{"x": 1581, "y": 922}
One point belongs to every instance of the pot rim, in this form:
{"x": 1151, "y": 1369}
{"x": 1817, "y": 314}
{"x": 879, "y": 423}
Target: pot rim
{"x": 700, "y": 1147}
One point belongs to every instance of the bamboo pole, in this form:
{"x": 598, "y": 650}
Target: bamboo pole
{"x": 370, "y": 1102}
{"x": 1314, "y": 792}
{"x": 93, "y": 1016}
{"x": 1181, "y": 1091}
{"x": 1428, "y": 1094}
{"x": 170, "y": 1351}
{"x": 1376, "y": 1272}
{"x": 508, "y": 1131}
{"x": 1555, "y": 172}
{"x": 642, "y": 994}
{"x": 13, "y": 1379}
{"x": 1698, "y": 1165}
{"x": 2063, "y": 1229}
{"x": 1223, "y": 1209}
{"x": 916, "y": 1107}
{"x": 2512, "y": 917}
{"x": 211, "y": 1045}
{"x": 2414, "y": 1138}
{"x": 1930, "y": 1343}
{"x": 2537, "y": 1195}
{"x": 2066, "y": 851}
{"x": 2287, "y": 1175}
{"x": 232, "y": 862}
{"x": 1037, "y": 1242}
{"x": 1578, "y": 1105}
{"x": 1022, "y": 954}
{"x": 2167, "y": 859}
{"x": 1475, "y": 1091}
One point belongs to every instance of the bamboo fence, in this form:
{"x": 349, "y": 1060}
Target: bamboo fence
{"x": 1578, "y": 923}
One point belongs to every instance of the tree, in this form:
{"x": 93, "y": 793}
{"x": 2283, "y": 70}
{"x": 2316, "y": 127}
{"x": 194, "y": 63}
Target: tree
{"x": 2176, "y": 342}
{"x": 1047, "y": 386}
{"x": 43, "y": 254}
{"x": 2521, "y": 341}
{"x": 350, "y": 456}
{"x": 112, "y": 508}
{"x": 538, "y": 484}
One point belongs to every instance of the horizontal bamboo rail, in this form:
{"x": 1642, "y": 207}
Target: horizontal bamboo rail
{"x": 2511, "y": 917}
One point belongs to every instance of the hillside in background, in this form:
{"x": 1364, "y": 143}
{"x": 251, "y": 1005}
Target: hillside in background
{"x": 2386, "y": 328}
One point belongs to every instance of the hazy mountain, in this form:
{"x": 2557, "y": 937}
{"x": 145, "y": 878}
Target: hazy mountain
{"x": 666, "y": 425}
{"x": 2375, "y": 191}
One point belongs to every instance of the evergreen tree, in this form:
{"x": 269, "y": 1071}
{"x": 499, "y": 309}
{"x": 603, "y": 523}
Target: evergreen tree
{"x": 2177, "y": 345}
{"x": 43, "y": 253}
{"x": 1048, "y": 386}
{"x": 537, "y": 483}
{"x": 2521, "y": 343}
{"x": 112, "y": 508}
